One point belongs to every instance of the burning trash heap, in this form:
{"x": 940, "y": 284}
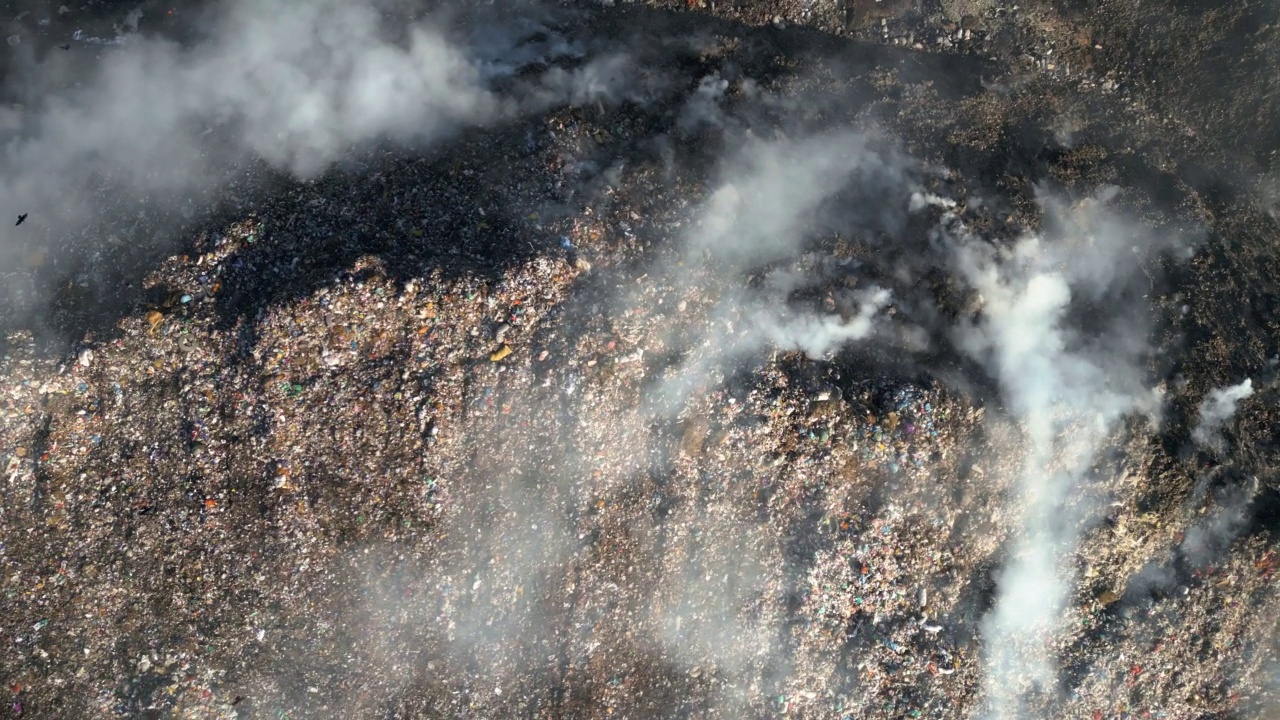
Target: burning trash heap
{"x": 654, "y": 392}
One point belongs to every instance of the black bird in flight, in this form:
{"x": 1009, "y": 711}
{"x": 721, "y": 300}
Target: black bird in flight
{"x": 64, "y": 47}
{"x": 21, "y": 219}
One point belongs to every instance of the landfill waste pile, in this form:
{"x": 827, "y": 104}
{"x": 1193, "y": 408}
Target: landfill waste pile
{"x": 618, "y": 360}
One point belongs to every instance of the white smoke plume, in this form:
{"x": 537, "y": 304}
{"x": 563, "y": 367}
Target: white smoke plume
{"x": 1068, "y": 373}
{"x": 155, "y": 125}
{"x": 1069, "y": 390}
{"x": 818, "y": 335}
{"x": 773, "y": 199}
{"x": 772, "y": 196}
{"x": 296, "y": 83}
{"x": 1216, "y": 409}
{"x": 750, "y": 250}
{"x": 703, "y": 109}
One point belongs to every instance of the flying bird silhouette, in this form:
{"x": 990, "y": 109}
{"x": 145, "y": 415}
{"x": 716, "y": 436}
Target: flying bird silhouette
{"x": 64, "y": 47}
{"x": 21, "y": 219}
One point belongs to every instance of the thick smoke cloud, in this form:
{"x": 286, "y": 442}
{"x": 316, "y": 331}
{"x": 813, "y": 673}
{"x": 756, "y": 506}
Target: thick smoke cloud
{"x": 751, "y": 245}
{"x": 775, "y": 196}
{"x": 157, "y": 126}
{"x": 296, "y": 83}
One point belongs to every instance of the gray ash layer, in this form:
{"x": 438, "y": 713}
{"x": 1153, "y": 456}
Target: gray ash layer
{"x": 736, "y": 360}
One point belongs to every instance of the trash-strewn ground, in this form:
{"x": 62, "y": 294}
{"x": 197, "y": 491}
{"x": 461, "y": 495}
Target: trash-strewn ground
{"x": 421, "y": 439}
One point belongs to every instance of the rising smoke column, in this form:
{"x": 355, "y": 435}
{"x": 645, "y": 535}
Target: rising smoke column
{"x": 1069, "y": 390}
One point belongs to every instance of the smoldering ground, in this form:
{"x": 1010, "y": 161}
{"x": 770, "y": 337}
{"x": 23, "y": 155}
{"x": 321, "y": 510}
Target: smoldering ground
{"x": 1217, "y": 409}
{"x": 715, "y": 611}
{"x": 645, "y": 522}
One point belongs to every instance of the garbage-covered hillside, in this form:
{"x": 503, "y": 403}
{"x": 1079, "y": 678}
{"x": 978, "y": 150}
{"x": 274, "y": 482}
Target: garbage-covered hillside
{"x": 628, "y": 361}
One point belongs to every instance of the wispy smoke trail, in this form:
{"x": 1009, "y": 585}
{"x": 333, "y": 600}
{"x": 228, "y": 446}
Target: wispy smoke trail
{"x": 775, "y": 196}
{"x": 1217, "y": 409}
{"x": 817, "y": 335}
{"x": 1207, "y": 540}
{"x": 772, "y": 201}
